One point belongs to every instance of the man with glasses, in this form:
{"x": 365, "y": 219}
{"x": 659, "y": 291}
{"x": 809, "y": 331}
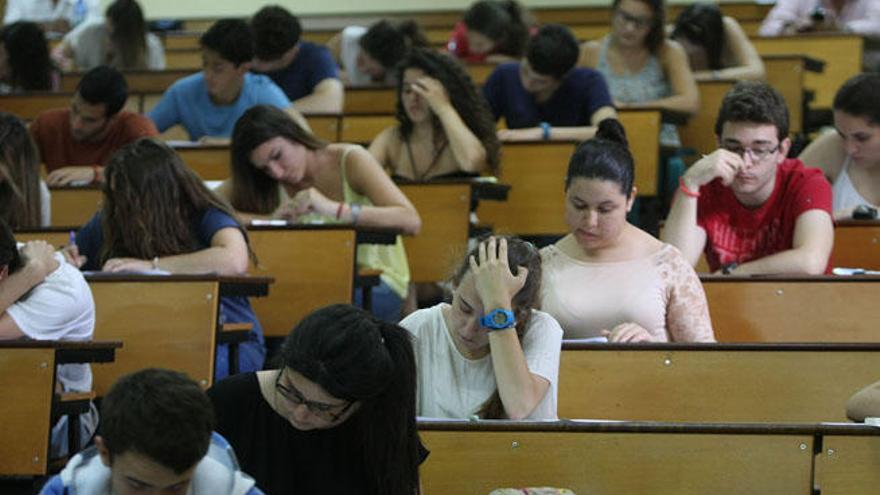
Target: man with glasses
{"x": 747, "y": 206}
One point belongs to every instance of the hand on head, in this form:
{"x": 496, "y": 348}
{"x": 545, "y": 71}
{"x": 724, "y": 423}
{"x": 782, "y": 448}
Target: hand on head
{"x": 495, "y": 283}
{"x": 720, "y": 163}
{"x": 40, "y": 255}
{"x": 432, "y": 91}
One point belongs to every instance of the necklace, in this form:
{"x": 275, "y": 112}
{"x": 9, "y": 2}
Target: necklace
{"x": 434, "y": 159}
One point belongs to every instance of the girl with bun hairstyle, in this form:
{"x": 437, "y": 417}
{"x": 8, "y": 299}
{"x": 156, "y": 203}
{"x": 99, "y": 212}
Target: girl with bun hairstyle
{"x": 607, "y": 278}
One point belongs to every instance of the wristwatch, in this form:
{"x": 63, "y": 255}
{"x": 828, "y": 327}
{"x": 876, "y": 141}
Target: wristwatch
{"x": 498, "y": 319}
{"x": 729, "y": 268}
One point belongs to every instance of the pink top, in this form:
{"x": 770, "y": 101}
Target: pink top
{"x": 660, "y": 292}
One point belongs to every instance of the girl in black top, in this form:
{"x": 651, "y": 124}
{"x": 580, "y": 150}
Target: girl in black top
{"x": 338, "y": 417}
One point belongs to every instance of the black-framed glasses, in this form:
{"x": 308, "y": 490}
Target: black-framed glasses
{"x": 319, "y": 409}
{"x": 756, "y": 154}
{"x": 637, "y": 21}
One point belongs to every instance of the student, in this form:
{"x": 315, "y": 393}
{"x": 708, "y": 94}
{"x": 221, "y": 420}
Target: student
{"x": 305, "y": 71}
{"x": 746, "y": 205}
{"x": 444, "y": 125}
{"x": 155, "y": 437}
{"x": 281, "y": 171}
{"x": 490, "y": 31}
{"x": 24, "y": 197}
{"x": 24, "y": 60}
{"x": 608, "y": 278}
{"x": 156, "y": 214}
{"x": 489, "y": 353}
{"x": 799, "y": 16}
{"x": 716, "y": 44}
{"x": 865, "y": 403}
{"x": 338, "y": 416}
{"x": 544, "y": 96}
{"x": 119, "y": 39}
{"x": 57, "y": 307}
{"x": 850, "y": 157}
{"x": 369, "y": 56}
{"x": 207, "y": 104}
{"x": 641, "y": 66}
{"x": 76, "y": 142}
{"x": 52, "y": 15}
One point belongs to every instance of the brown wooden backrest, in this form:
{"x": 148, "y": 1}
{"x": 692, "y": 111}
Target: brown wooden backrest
{"x": 27, "y": 380}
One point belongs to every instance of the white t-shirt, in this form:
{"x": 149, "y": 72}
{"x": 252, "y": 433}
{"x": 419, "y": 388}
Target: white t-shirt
{"x": 45, "y": 205}
{"x": 453, "y": 386}
{"x": 44, "y": 11}
{"x": 90, "y": 44}
{"x": 349, "y": 48}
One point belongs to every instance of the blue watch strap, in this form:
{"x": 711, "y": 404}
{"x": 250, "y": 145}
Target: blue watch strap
{"x": 498, "y": 319}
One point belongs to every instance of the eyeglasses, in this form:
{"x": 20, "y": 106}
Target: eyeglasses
{"x": 295, "y": 398}
{"x": 756, "y": 154}
{"x": 636, "y": 21}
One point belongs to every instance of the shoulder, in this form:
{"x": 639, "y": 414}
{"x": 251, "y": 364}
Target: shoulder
{"x": 797, "y": 173}
{"x": 543, "y": 325}
{"x": 216, "y": 219}
{"x": 188, "y": 84}
{"x": 353, "y": 32}
{"x": 590, "y": 51}
{"x": 671, "y": 51}
{"x": 235, "y": 389}
{"x": 136, "y": 121}
{"x": 51, "y": 118}
{"x": 586, "y": 76}
{"x": 423, "y": 320}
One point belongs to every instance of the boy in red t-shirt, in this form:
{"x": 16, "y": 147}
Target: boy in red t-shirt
{"x": 748, "y": 207}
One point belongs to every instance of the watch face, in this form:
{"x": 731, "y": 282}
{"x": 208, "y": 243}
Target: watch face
{"x": 499, "y": 318}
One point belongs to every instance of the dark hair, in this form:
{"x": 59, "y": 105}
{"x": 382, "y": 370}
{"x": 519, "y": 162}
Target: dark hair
{"x": 276, "y": 31}
{"x": 860, "y": 96}
{"x": 231, "y": 39}
{"x": 466, "y": 100}
{"x": 9, "y": 255}
{"x": 657, "y": 33}
{"x": 151, "y": 202}
{"x": 355, "y": 356}
{"x": 605, "y": 157}
{"x": 129, "y": 36}
{"x": 702, "y": 24}
{"x": 519, "y": 253}
{"x": 389, "y": 43}
{"x": 755, "y": 102}
{"x": 19, "y": 174}
{"x": 553, "y": 51}
{"x": 161, "y": 414}
{"x": 252, "y": 190}
{"x": 502, "y": 21}
{"x": 27, "y": 54}
{"x": 106, "y": 85}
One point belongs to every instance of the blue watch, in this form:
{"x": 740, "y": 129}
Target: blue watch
{"x": 498, "y": 319}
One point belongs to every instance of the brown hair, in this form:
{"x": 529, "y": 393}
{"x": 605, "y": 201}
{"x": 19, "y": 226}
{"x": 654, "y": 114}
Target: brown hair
{"x": 19, "y": 174}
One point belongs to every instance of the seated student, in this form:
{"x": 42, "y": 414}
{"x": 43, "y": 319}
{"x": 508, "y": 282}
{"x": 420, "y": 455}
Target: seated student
{"x": 444, "y": 125}
{"x": 304, "y": 70}
{"x": 608, "y": 278}
{"x": 489, "y": 353}
{"x": 207, "y": 104}
{"x": 338, "y": 416}
{"x": 716, "y": 44}
{"x": 24, "y": 197}
{"x": 641, "y": 66}
{"x": 865, "y": 403}
{"x": 491, "y": 31}
{"x": 155, "y": 437}
{"x": 369, "y": 56}
{"x": 752, "y": 210}
{"x": 76, "y": 142}
{"x": 281, "y": 171}
{"x": 52, "y": 15}
{"x": 119, "y": 39}
{"x": 545, "y": 95}
{"x": 24, "y": 60}
{"x": 57, "y": 307}
{"x": 156, "y": 214}
{"x": 850, "y": 157}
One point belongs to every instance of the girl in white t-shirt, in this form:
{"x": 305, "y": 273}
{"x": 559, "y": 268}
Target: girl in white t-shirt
{"x": 489, "y": 353}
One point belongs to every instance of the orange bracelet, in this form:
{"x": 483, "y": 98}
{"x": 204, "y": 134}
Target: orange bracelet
{"x": 685, "y": 190}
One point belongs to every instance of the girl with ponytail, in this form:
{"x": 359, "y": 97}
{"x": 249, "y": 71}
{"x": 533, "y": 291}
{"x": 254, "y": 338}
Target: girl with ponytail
{"x": 489, "y": 353}
{"x": 368, "y": 56}
{"x": 607, "y": 278}
{"x": 338, "y": 416}
{"x": 491, "y": 31}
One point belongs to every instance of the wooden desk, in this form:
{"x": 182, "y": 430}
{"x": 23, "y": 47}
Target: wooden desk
{"x": 56, "y": 236}
{"x": 370, "y": 100}
{"x": 184, "y": 58}
{"x": 363, "y": 128}
{"x": 699, "y": 132}
{"x": 847, "y": 465}
{"x": 28, "y": 106}
{"x": 857, "y": 244}
{"x": 786, "y": 73}
{"x": 74, "y": 205}
{"x": 766, "y": 383}
{"x": 793, "y": 309}
{"x": 210, "y": 162}
{"x": 139, "y": 81}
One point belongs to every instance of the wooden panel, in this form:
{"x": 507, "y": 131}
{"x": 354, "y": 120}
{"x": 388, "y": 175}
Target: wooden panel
{"x": 589, "y": 32}
{"x": 184, "y": 58}
{"x": 74, "y": 205}
{"x": 847, "y": 465}
{"x": 210, "y": 163}
{"x": 181, "y": 40}
{"x": 312, "y": 268}
{"x": 786, "y": 74}
{"x": 59, "y": 239}
{"x": 325, "y": 127}
{"x": 379, "y": 100}
{"x": 480, "y": 72}
{"x": 139, "y": 81}
{"x": 790, "y": 311}
{"x": 167, "y": 324}
{"x": 26, "y": 386}
{"x": 475, "y": 462}
{"x": 857, "y": 245}
{"x": 29, "y": 105}
{"x": 699, "y": 132}
{"x": 643, "y": 131}
{"x": 363, "y": 128}
{"x": 442, "y": 241}
{"x": 320, "y": 37}
{"x": 720, "y": 386}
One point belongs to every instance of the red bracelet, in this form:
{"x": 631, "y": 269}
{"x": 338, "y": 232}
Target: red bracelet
{"x": 685, "y": 190}
{"x": 96, "y": 170}
{"x": 339, "y": 210}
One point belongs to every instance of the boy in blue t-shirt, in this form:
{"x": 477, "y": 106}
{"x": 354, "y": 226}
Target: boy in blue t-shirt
{"x": 544, "y": 96}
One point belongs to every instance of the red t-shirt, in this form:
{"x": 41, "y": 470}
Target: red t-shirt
{"x": 51, "y": 133}
{"x": 458, "y": 45}
{"x": 736, "y": 233}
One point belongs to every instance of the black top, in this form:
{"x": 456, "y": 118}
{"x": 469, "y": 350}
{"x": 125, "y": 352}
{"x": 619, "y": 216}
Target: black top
{"x": 282, "y": 459}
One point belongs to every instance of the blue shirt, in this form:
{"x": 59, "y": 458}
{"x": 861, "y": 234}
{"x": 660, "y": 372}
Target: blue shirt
{"x": 187, "y": 103}
{"x": 311, "y": 65}
{"x": 581, "y": 93}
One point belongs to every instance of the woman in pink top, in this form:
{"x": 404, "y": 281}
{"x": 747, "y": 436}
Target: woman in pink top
{"x": 607, "y": 278}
